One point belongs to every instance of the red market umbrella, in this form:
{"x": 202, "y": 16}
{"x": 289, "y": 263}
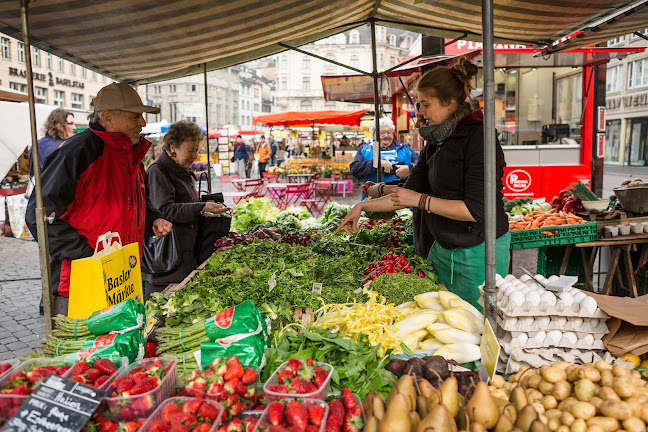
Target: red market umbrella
{"x": 311, "y": 118}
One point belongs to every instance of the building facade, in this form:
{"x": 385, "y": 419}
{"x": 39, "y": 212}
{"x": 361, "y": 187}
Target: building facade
{"x": 56, "y": 81}
{"x": 626, "y": 131}
{"x": 299, "y": 85}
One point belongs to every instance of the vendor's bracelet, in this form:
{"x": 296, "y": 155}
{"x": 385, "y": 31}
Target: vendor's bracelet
{"x": 381, "y": 186}
{"x": 422, "y": 202}
{"x": 427, "y": 204}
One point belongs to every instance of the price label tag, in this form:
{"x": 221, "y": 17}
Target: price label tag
{"x": 490, "y": 351}
{"x": 58, "y": 405}
{"x": 272, "y": 283}
{"x": 317, "y": 287}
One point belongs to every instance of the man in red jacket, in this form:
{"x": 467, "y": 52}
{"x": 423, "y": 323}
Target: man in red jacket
{"x": 94, "y": 183}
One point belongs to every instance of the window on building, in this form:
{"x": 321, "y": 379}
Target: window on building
{"x": 21, "y": 52}
{"x": 41, "y": 95}
{"x": 353, "y": 61}
{"x": 330, "y": 105}
{"x": 616, "y": 41}
{"x": 306, "y": 62}
{"x": 256, "y": 107}
{"x": 172, "y": 88}
{"x": 77, "y": 100}
{"x": 59, "y": 65}
{"x": 191, "y": 119}
{"x": 307, "y": 105}
{"x": 191, "y": 88}
{"x": 36, "y": 55}
{"x": 643, "y": 32}
{"x": 284, "y": 83}
{"x": 613, "y": 79}
{"x": 83, "y": 72}
{"x": 4, "y": 47}
{"x": 284, "y": 62}
{"x": 306, "y": 83}
{"x": 59, "y": 97}
{"x": 72, "y": 69}
{"x": 392, "y": 61}
{"x": 18, "y": 86}
{"x": 256, "y": 92}
{"x": 48, "y": 60}
{"x": 407, "y": 42}
{"x": 172, "y": 112}
{"x": 392, "y": 40}
{"x": 328, "y": 65}
{"x": 638, "y": 74}
{"x": 354, "y": 37}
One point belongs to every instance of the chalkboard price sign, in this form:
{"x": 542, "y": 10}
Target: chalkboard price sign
{"x": 59, "y": 404}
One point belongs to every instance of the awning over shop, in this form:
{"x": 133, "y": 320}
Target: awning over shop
{"x": 151, "y": 40}
{"x": 310, "y": 118}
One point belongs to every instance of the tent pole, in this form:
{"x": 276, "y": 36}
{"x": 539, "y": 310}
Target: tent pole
{"x": 209, "y": 178}
{"x": 490, "y": 184}
{"x": 41, "y": 229}
{"x": 374, "y": 75}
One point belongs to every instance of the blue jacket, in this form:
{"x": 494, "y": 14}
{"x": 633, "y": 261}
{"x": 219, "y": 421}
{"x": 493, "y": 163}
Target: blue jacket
{"x": 240, "y": 152}
{"x": 362, "y": 166}
{"x": 46, "y": 146}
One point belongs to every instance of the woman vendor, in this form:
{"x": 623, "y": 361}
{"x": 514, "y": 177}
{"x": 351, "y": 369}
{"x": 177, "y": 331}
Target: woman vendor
{"x": 447, "y": 183}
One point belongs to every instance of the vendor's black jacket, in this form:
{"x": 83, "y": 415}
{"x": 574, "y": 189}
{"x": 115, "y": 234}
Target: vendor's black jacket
{"x": 454, "y": 170}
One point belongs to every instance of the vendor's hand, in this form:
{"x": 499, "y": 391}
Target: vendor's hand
{"x": 386, "y": 166}
{"x": 366, "y": 186}
{"x": 420, "y": 121}
{"x": 161, "y": 227}
{"x": 214, "y": 207}
{"x": 403, "y": 171}
{"x": 402, "y": 197}
{"x": 350, "y": 222}
{"x": 373, "y": 191}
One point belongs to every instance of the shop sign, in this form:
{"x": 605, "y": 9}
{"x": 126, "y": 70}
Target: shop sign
{"x": 600, "y": 145}
{"x": 42, "y": 77}
{"x": 464, "y": 47}
{"x": 522, "y": 182}
{"x": 518, "y": 180}
{"x": 601, "y": 119}
{"x": 23, "y": 74}
{"x": 637, "y": 100}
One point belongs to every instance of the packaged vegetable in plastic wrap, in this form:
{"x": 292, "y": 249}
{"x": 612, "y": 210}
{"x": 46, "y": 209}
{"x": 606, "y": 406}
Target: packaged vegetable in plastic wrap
{"x": 129, "y": 345}
{"x": 120, "y": 318}
{"x": 249, "y": 351}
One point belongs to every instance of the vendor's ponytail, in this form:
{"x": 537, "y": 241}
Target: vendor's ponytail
{"x": 448, "y": 83}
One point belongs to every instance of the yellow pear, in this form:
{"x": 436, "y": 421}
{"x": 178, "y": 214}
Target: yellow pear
{"x": 435, "y": 398}
{"x": 506, "y": 408}
{"x": 414, "y": 420}
{"x": 396, "y": 417}
{"x": 371, "y": 425}
{"x": 437, "y": 420}
{"x": 526, "y": 417}
{"x": 450, "y": 395}
{"x": 421, "y": 406}
{"x": 477, "y": 427}
{"x": 504, "y": 424}
{"x": 519, "y": 398}
{"x": 378, "y": 407}
{"x": 463, "y": 422}
{"x": 481, "y": 407}
{"x": 405, "y": 386}
{"x": 425, "y": 388}
{"x": 538, "y": 426}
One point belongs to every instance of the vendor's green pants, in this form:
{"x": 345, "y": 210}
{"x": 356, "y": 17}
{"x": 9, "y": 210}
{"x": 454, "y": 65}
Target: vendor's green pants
{"x": 462, "y": 270}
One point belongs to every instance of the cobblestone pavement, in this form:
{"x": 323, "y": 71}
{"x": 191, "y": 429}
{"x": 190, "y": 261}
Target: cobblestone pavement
{"x": 22, "y": 328}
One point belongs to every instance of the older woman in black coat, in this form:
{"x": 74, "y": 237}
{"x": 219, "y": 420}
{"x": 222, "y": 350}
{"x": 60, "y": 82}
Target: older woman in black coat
{"x": 172, "y": 189}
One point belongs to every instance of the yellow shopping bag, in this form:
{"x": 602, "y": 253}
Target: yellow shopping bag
{"x": 111, "y": 276}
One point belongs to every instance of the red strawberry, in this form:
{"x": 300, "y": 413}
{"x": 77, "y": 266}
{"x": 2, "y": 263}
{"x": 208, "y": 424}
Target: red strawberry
{"x": 80, "y": 368}
{"x": 155, "y": 365}
{"x": 300, "y": 386}
{"x": 179, "y": 428}
{"x": 159, "y": 426}
{"x": 208, "y": 412}
{"x": 4, "y": 367}
{"x": 277, "y": 429}
{"x": 336, "y": 409}
{"x": 237, "y": 408}
{"x": 170, "y": 409}
{"x": 230, "y": 386}
{"x": 275, "y": 412}
{"x": 138, "y": 377}
{"x": 202, "y": 427}
{"x": 311, "y": 428}
{"x": 320, "y": 377}
{"x": 309, "y": 361}
{"x": 37, "y": 375}
{"x": 183, "y": 418}
{"x": 249, "y": 376}
{"x": 146, "y": 385}
{"x": 306, "y": 373}
{"x": 234, "y": 371}
{"x": 218, "y": 367}
{"x": 106, "y": 366}
{"x": 143, "y": 405}
{"x": 124, "y": 385}
{"x": 316, "y": 414}
{"x": 135, "y": 370}
{"x": 285, "y": 374}
{"x": 251, "y": 392}
{"x": 79, "y": 378}
{"x": 196, "y": 388}
{"x": 49, "y": 368}
{"x": 131, "y": 426}
{"x": 92, "y": 374}
{"x": 231, "y": 400}
{"x": 214, "y": 388}
{"x": 278, "y": 388}
{"x": 296, "y": 414}
{"x": 293, "y": 365}
{"x": 192, "y": 406}
{"x": 20, "y": 390}
{"x": 102, "y": 379}
{"x": 61, "y": 371}
{"x": 240, "y": 388}
{"x": 295, "y": 428}
{"x": 332, "y": 424}
{"x": 347, "y": 399}
{"x": 127, "y": 413}
{"x": 353, "y": 420}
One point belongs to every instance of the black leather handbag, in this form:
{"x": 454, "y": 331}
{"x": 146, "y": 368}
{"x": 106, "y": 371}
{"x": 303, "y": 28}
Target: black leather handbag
{"x": 210, "y": 229}
{"x": 160, "y": 254}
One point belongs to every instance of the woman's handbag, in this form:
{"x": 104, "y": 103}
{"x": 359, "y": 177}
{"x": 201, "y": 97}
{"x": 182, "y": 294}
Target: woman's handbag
{"x": 160, "y": 254}
{"x": 210, "y": 228}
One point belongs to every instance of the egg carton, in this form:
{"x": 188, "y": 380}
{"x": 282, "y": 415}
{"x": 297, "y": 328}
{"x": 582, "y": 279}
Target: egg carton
{"x": 547, "y": 323}
{"x": 511, "y": 362}
{"x": 508, "y": 339}
{"x": 528, "y": 310}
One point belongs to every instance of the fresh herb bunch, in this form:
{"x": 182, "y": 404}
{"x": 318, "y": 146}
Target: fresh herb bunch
{"x": 579, "y": 190}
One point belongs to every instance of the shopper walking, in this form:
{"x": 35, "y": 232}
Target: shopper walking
{"x": 273, "y": 151}
{"x": 58, "y": 127}
{"x": 263, "y": 150}
{"x": 240, "y": 156}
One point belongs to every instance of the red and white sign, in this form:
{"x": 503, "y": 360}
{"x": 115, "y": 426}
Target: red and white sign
{"x": 601, "y": 119}
{"x": 600, "y": 145}
{"x": 464, "y": 47}
{"x": 518, "y": 180}
{"x": 522, "y": 182}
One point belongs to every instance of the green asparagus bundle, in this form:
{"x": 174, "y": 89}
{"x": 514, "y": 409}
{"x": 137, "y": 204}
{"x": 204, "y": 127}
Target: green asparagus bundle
{"x": 129, "y": 345}
{"x": 123, "y": 317}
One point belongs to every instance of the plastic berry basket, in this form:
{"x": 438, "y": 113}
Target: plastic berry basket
{"x": 12, "y": 364}
{"x": 338, "y": 396}
{"x": 264, "y": 423}
{"x": 142, "y": 405}
{"x": 157, "y": 414}
{"x": 121, "y": 364}
{"x": 320, "y": 394}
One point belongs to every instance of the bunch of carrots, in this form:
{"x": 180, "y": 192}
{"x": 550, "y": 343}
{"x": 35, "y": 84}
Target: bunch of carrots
{"x": 543, "y": 219}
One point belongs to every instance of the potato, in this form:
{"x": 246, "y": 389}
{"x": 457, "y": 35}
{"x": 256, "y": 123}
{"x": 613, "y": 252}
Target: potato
{"x": 619, "y": 371}
{"x": 567, "y": 418}
{"x": 584, "y": 390}
{"x": 542, "y": 369}
{"x": 553, "y": 424}
{"x": 546, "y": 388}
{"x": 563, "y": 428}
{"x": 551, "y": 413}
{"x": 534, "y": 381}
{"x": 583, "y": 410}
{"x": 499, "y": 393}
{"x": 562, "y": 390}
{"x": 644, "y": 415}
{"x": 578, "y": 425}
{"x": 606, "y": 393}
{"x": 549, "y": 402}
{"x": 623, "y": 387}
{"x": 540, "y": 409}
{"x": 562, "y": 365}
{"x": 590, "y": 373}
{"x": 567, "y": 404}
{"x": 595, "y": 428}
{"x": 607, "y": 378}
{"x": 602, "y": 365}
{"x": 634, "y": 424}
{"x": 635, "y": 406}
{"x": 554, "y": 374}
{"x": 616, "y": 409}
{"x": 596, "y": 401}
{"x": 608, "y": 424}
{"x": 573, "y": 373}
{"x": 498, "y": 381}
{"x": 533, "y": 395}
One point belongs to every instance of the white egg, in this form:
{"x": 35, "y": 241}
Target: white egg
{"x": 553, "y": 278}
{"x": 525, "y": 290}
{"x": 518, "y": 282}
{"x": 548, "y": 298}
{"x": 540, "y": 290}
{"x": 571, "y": 337}
{"x": 509, "y": 277}
{"x": 524, "y": 277}
{"x": 543, "y": 322}
{"x": 499, "y": 282}
{"x": 540, "y": 337}
{"x": 541, "y": 278}
{"x": 589, "y": 339}
{"x": 498, "y": 277}
{"x": 553, "y": 337}
{"x": 517, "y": 298}
{"x": 523, "y": 338}
{"x": 577, "y": 322}
{"x": 579, "y": 297}
{"x": 567, "y": 299}
{"x": 509, "y": 290}
{"x": 589, "y": 305}
{"x": 594, "y": 322}
{"x": 559, "y": 321}
{"x": 533, "y": 298}
{"x": 511, "y": 322}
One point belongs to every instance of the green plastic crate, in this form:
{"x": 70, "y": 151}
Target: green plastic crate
{"x": 550, "y": 260}
{"x": 561, "y": 235}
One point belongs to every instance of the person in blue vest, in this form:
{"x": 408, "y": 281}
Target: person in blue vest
{"x": 392, "y": 153}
